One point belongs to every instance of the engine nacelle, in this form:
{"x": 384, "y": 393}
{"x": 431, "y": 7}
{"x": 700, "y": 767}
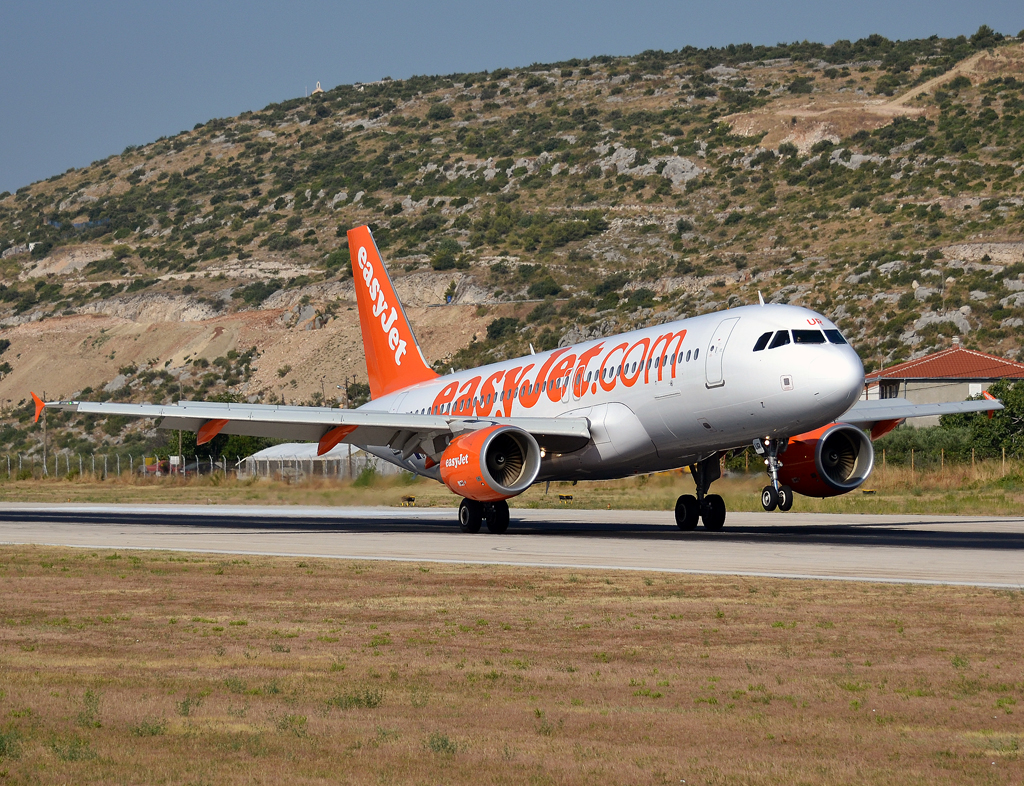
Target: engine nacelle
{"x": 827, "y": 462}
{"x": 491, "y": 464}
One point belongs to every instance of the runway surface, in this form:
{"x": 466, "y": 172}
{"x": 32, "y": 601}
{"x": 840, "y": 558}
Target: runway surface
{"x": 981, "y": 551}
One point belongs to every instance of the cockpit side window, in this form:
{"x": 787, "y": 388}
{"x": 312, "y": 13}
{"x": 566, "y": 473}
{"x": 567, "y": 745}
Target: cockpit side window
{"x": 808, "y": 337}
{"x": 780, "y": 340}
{"x": 835, "y": 337}
{"x": 763, "y": 341}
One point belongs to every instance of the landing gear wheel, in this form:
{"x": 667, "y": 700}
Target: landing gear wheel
{"x": 471, "y": 514}
{"x": 785, "y": 498}
{"x": 687, "y": 512}
{"x": 769, "y": 498}
{"x": 713, "y": 512}
{"x": 496, "y": 514}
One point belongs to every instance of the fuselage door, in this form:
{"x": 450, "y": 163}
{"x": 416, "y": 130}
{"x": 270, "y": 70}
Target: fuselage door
{"x": 716, "y": 349}
{"x": 578, "y": 383}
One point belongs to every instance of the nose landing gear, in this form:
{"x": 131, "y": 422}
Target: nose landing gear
{"x": 710, "y": 508}
{"x": 774, "y": 495}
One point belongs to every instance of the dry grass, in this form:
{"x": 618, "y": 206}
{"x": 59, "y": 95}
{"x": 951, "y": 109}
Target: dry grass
{"x": 985, "y": 489}
{"x": 178, "y": 668}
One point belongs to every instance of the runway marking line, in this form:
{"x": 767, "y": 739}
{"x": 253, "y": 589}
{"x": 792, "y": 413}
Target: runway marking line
{"x": 554, "y": 565}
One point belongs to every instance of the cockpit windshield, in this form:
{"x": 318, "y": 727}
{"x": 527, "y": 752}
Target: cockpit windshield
{"x": 808, "y": 337}
{"x": 835, "y": 337}
{"x": 774, "y": 339}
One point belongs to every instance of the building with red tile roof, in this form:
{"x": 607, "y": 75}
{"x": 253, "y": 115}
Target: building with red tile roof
{"x": 952, "y": 374}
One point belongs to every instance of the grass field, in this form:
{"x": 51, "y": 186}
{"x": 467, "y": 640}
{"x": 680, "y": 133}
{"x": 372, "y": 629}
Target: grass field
{"x": 177, "y": 668}
{"x": 985, "y": 489}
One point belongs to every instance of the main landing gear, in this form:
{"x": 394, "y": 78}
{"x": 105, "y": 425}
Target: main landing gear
{"x": 774, "y": 495}
{"x": 472, "y": 514}
{"x": 690, "y": 509}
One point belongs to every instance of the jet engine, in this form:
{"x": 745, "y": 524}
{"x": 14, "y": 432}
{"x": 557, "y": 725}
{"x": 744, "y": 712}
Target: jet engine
{"x": 827, "y": 462}
{"x": 491, "y": 464}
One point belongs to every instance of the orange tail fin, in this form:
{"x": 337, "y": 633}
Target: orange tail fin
{"x": 393, "y": 358}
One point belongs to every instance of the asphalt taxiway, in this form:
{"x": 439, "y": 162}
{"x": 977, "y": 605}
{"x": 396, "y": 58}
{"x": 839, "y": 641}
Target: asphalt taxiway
{"x": 968, "y": 550}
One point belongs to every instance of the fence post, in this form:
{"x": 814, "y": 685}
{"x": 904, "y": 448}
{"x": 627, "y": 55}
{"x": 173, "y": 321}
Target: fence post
{"x": 104, "y": 466}
{"x": 942, "y": 460}
{"x": 119, "y": 465}
{"x": 911, "y": 459}
{"x": 79, "y": 465}
{"x": 1004, "y": 461}
{"x": 8, "y": 466}
{"x": 94, "y": 466}
{"x": 131, "y": 465}
{"x": 972, "y": 457}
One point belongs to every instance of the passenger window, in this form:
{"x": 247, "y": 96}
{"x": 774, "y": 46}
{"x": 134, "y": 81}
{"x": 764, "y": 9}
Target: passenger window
{"x": 808, "y": 337}
{"x": 696, "y": 352}
{"x": 780, "y": 340}
{"x": 835, "y": 337}
{"x": 763, "y": 341}
{"x": 687, "y": 356}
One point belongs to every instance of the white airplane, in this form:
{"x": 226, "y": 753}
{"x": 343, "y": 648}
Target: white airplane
{"x": 780, "y": 378}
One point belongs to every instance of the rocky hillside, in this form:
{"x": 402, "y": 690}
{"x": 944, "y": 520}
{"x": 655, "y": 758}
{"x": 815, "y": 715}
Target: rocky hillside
{"x": 877, "y": 181}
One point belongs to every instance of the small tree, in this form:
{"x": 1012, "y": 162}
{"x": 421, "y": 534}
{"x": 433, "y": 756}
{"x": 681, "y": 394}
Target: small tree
{"x": 439, "y": 112}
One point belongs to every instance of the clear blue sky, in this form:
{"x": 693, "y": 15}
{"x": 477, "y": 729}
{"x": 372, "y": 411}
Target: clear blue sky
{"x": 79, "y": 81}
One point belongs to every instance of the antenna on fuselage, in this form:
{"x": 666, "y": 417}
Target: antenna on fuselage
{"x": 532, "y": 351}
{"x": 760, "y": 299}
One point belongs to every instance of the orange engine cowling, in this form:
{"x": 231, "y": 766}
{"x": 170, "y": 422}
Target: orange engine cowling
{"x": 491, "y": 464}
{"x": 827, "y": 462}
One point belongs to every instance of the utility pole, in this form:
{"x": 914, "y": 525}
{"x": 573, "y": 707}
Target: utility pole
{"x": 44, "y": 434}
{"x": 180, "y": 458}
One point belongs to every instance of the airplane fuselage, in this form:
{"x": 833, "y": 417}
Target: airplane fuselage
{"x": 660, "y": 397}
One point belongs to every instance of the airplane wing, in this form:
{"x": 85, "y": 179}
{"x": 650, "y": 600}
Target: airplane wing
{"x": 329, "y": 427}
{"x": 883, "y": 415}
{"x": 870, "y": 412}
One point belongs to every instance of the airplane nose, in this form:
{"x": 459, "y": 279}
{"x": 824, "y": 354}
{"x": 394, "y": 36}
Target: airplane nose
{"x": 840, "y": 377}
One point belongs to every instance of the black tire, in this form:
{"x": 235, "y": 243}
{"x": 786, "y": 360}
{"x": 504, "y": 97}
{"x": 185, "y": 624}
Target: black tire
{"x": 785, "y": 498}
{"x": 713, "y": 512}
{"x": 496, "y": 514}
{"x": 769, "y": 498}
{"x": 687, "y": 513}
{"x": 471, "y": 514}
